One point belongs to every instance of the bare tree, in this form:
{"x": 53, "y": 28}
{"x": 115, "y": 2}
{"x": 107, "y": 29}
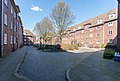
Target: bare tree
{"x": 44, "y": 29}
{"x": 62, "y": 17}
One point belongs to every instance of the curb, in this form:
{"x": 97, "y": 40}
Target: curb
{"x": 17, "y": 69}
{"x": 68, "y": 71}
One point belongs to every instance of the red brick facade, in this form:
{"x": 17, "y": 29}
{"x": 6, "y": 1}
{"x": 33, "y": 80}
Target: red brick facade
{"x": 11, "y": 25}
{"x": 94, "y": 32}
{"x": 118, "y": 31}
{"x": 29, "y": 37}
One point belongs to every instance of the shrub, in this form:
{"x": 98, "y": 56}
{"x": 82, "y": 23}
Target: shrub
{"x": 110, "y": 46}
{"x": 108, "y": 53}
{"x": 103, "y": 46}
{"x": 69, "y": 47}
{"x": 36, "y": 45}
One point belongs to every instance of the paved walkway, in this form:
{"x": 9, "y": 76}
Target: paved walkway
{"x": 49, "y": 66}
{"x": 95, "y": 68}
{"x": 9, "y": 64}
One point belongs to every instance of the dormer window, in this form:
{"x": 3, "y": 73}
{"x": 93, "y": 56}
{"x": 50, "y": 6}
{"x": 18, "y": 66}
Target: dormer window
{"x": 111, "y": 16}
{"x": 99, "y": 21}
{"x": 79, "y": 27}
{"x": 86, "y": 26}
{"x": 74, "y": 29}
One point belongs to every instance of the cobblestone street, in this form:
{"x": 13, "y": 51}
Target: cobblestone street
{"x": 49, "y": 66}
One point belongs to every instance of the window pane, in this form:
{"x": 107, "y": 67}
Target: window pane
{"x": 5, "y": 38}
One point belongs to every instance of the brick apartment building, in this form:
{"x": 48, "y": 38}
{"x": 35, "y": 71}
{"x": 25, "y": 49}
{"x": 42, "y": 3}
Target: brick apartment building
{"x": 94, "y": 32}
{"x": 29, "y": 37}
{"x": 10, "y": 27}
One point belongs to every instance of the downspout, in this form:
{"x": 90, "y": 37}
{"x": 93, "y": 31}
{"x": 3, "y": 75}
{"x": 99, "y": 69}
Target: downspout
{"x": 118, "y": 27}
{"x": 1, "y": 30}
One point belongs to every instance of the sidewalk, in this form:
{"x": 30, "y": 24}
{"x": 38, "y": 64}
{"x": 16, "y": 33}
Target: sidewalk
{"x": 9, "y": 64}
{"x": 95, "y": 68}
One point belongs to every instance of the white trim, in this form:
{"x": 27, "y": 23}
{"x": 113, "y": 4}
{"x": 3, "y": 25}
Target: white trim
{"x": 5, "y": 38}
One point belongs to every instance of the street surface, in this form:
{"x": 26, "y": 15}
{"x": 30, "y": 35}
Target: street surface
{"x": 50, "y": 66}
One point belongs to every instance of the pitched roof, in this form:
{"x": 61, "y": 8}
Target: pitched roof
{"x": 93, "y": 21}
{"x": 28, "y": 32}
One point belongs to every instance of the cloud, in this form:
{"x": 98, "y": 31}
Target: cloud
{"x": 36, "y": 8}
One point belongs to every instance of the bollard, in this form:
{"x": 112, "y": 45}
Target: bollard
{"x": 115, "y": 56}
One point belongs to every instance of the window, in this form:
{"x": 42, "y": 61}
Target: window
{"x": 110, "y": 32}
{"x": 110, "y": 41}
{"x": 14, "y": 40}
{"x": 111, "y": 16}
{"x": 82, "y": 42}
{"x": 11, "y": 25}
{"x": 98, "y": 28}
{"x": 74, "y": 29}
{"x": 86, "y": 26}
{"x": 5, "y": 19}
{"x": 91, "y": 42}
{"x": 6, "y": 2}
{"x": 25, "y": 43}
{"x": 91, "y": 29}
{"x": 11, "y": 40}
{"x": 25, "y": 40}
{"x": 79, "y": 27}
{"x": 5, "y": 38}
{"x": 110, "y": 24}
{"x": 14, "y": 15}
{"x": 98, "y": 35}
{"x": 91, "y": 35}
{"x": 82, "y": 31}
{"x": 11, "y": 9}
{"x": 99, "y": 21}
{"x": 14, "y": 27}
{"x": 98, "y": 42}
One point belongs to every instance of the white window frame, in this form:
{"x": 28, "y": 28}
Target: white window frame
{"x": 14, "y": 14}
{"x": 14, "y": 27}
{"x": 86, "y": 26}
{"x": 14, "y": 40}
{"x": 25, "y": 40}
{"x": 74, "y": 29}
{"x": 110, "y": 32}
{"x": 11, "y": 24}
{"x": 91, "y": 42}
{"x": 82, "y": 31}
{"x": 99, "y": 21}
{"x": 79, "y": 27}
{"x": 97, "y": 35}
{"x": 91, "y": 35}
{"x": 11, "y": 9}
{"x": 97, "y": 42}
{"x": 110, "y": 23}
{"x": 11, "y": 40}
{"x": 5, "y": 19}
{"x": 111, "y": 16}
{"x": 5, "y": 38}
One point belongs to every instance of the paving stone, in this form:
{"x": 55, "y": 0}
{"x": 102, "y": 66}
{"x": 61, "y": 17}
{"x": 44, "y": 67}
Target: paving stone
{"x": 97, "y": 68}
{"x": 49, "y": 66}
